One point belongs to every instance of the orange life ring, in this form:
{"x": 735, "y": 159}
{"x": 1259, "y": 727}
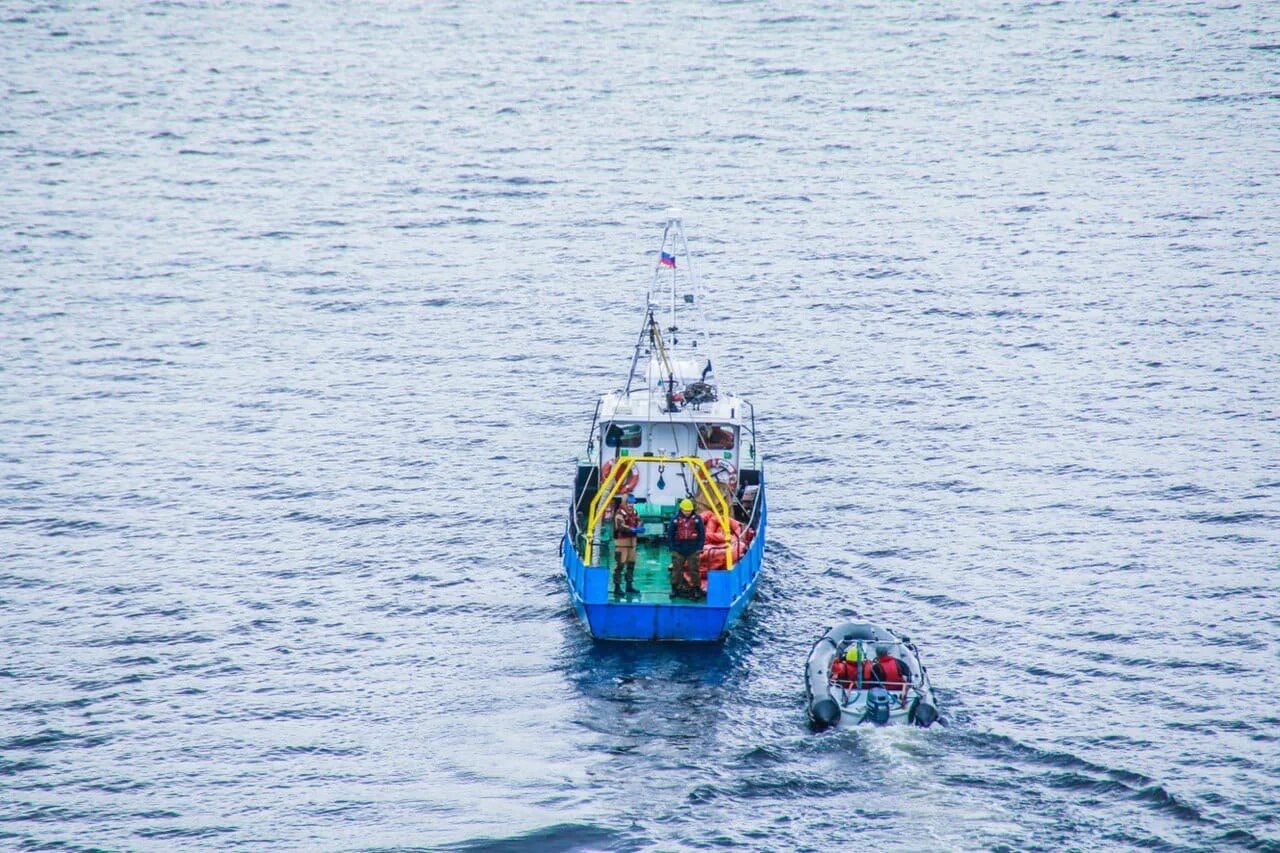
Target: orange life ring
{"x": 626, "y": 488}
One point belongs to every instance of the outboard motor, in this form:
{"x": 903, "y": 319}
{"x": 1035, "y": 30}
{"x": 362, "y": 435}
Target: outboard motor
{"x": 878, "y": 703}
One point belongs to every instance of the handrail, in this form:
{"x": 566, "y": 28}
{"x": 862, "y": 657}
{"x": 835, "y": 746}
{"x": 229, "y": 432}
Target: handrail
{"x": 618, "y": 475}
{"x": 610, "y": 484}
{"x": 591, "y": 433}
{"x": 901, "y": 695}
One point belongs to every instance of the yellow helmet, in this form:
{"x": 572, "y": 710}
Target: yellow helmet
{"x": 686, "y": 505}
{"x": 853, "y": 655}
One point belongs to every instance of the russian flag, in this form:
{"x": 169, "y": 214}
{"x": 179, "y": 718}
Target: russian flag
{"x": 667, "y": 260}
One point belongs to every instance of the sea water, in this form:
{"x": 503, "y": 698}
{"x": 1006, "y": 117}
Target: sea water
{"x": 303, "y": 312}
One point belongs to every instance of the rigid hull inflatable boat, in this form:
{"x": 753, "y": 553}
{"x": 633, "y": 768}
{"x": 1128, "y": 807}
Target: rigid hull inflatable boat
{"x": 862, "y": 673}
{"x": 673, "y": 435}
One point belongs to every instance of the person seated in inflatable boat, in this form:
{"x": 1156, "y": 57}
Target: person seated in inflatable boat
{"x": 889, "y": 672}
{"x": 844, "y": 669}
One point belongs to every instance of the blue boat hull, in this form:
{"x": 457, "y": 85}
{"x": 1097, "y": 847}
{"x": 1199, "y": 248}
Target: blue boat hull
{"x": 728, "y": 594}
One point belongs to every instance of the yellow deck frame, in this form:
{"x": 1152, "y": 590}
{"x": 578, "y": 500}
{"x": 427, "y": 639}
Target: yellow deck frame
{"x": 618, "y": 475}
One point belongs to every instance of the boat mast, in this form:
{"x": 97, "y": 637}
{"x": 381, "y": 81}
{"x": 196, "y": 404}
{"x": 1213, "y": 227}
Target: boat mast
{"x": 693, "y": 297}
{"x": 671, "y": 220}
{"x": 676, "y": 261}
{"x": 672, "y": 270}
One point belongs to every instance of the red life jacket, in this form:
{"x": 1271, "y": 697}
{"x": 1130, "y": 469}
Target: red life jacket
{"x": 843, "y": 672}
{"x": 686, "y": 527}
{"x": 884, "y": 671}
{"x": 891, "y": 671}
{"x": 623, "y": 522}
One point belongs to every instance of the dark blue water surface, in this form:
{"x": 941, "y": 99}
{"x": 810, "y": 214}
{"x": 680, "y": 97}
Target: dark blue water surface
{"x": 303, "y": 309}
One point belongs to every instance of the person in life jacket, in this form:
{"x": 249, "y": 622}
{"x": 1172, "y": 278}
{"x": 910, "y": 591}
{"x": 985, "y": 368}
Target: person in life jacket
{"x": 626, "y": 525}
{"x": 888, "y": 671}
{"x": 844, "y": 670}
{"x": 686, "y": 537}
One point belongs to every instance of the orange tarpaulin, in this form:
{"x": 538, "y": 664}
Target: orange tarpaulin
{"x": 714, "y": 546}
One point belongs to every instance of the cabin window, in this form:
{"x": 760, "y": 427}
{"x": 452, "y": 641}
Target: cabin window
{"x": 622, "y": 435}
{"x": 715, "y": 437}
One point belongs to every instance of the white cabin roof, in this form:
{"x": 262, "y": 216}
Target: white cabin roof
{"x": 649, "y": 402}
{"x": 651, "y": 405}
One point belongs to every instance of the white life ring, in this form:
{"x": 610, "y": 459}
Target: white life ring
{"x": 725, "y": 475}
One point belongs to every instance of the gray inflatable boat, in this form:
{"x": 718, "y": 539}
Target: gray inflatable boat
{"x": 861, "y": 673}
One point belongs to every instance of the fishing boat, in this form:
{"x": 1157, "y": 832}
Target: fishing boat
{"x": 862, "y": 673}
{"x": 671, "y": 434}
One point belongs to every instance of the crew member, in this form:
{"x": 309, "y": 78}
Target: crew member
{"x": 845, "y": 669}
{"x": 626, "y": 525}
{"x": 686, "y": 539}
{"x": 892, "y": 673}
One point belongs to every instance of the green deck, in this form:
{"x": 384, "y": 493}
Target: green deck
{"x": 653, "y": 558}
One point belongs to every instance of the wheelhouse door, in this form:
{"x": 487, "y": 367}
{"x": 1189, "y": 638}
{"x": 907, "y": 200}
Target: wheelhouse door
{"x": 668, "y": 484}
